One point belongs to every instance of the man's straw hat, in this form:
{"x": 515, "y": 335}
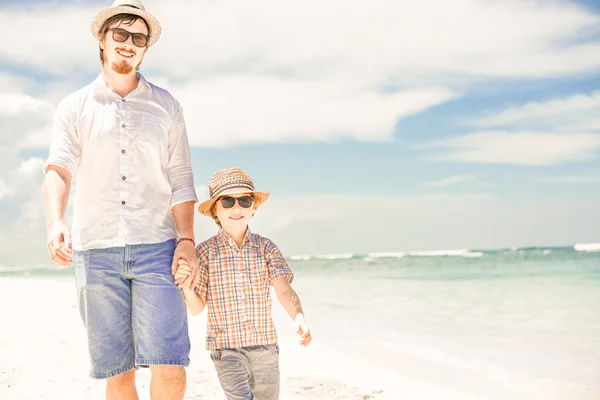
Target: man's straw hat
{"x": 135, "y": 7}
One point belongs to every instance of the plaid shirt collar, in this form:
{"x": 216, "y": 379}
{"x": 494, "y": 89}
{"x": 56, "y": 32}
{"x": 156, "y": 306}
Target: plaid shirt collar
{"x": 249, "y": 239}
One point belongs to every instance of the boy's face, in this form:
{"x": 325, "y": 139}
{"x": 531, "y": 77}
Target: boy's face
{"x": 123, "y": 56}
{"x": 237, "y": 216}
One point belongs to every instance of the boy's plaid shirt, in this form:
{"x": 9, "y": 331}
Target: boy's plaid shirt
{"x": 236, "y": 284}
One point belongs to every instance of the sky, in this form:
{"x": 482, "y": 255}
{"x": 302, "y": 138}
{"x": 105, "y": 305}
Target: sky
{"x": 377, "y": 125}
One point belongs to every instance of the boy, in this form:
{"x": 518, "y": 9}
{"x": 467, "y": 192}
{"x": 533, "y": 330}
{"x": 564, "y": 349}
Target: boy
{"x": 236, "y": 270}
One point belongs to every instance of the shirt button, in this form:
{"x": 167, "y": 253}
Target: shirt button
{"x": 123, "y": 100}
{"x": 123, "y": 126}
{"x": 123, "y": 202}
{"x": 123, "y": 178}
{"x": 123, "y": 151}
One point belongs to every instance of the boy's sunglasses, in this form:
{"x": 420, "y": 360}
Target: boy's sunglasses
{"x": 121, "y": 35}
{"x": 228, "y": 202}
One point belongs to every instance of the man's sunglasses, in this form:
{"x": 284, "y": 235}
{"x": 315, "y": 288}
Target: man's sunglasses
{"x": 228, "y": 202}
{"x": 121, "y": 35}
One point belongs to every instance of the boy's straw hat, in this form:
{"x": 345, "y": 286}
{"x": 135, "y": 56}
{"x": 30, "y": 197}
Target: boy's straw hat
{"x": 230, "y": 181}
{"x": 135, "y": 7}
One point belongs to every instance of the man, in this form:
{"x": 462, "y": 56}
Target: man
{"x": 125, "y": 141}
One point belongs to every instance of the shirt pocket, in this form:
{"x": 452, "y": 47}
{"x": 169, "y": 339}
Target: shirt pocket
{"x": 259, "y": 272}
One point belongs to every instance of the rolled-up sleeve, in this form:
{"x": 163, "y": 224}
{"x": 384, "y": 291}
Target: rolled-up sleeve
{"x": 179, "y": 168}
{"x": 65, "y": 148}
{"x": 277, "y": 266}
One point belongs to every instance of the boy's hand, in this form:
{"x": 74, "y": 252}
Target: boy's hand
{"x": 182, "y": 273}
{"x": 185, "y": 251}
{"x": 302, "y": 329}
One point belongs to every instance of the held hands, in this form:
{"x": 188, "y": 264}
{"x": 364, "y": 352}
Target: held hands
{"x": 302, "y": 329}
{"x": 185, "y": 255}
{"x": 182, "y": 273}
{"x": 59, "y": 244}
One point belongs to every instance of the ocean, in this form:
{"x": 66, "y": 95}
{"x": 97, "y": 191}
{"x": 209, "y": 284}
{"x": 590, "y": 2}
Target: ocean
{"x": 520, "y": 323}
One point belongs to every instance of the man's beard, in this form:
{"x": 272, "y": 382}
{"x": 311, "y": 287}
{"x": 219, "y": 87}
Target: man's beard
{"x": 122, "y": 67}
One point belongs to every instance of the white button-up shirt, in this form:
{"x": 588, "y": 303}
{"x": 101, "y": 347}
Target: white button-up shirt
{"x": 130, "y": 159}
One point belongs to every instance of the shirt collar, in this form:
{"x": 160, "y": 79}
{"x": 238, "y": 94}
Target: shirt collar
{"x": 250, "y": 238}
{"x": 99, "y": 81}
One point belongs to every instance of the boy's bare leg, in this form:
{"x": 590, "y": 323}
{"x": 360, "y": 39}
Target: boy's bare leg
{"x": 168, "y": 382}
{"x": 122, "y": 387}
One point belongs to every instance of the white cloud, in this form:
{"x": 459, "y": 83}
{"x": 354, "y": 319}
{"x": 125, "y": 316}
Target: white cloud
{"x": 449, "y": 181}
{"x": 235, "y": 109}
{"x": 5, "y": 190}
{"x": 576, "y": 113}
{"x": 573, "y": 179}
{"x": 62, "y": 42}
{"x": 32, "y": 217}
{"x": 369, "y": 41}
{"x": 22, "y": 118}
{"x": 17, "y": 103}
{"x": 31, "y": 167}
{"x": 277, "y": 71}
{"x": 14, "y": 83}
{"x": 521, "y": 148}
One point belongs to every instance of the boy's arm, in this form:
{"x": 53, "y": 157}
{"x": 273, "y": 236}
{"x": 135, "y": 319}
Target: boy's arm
{"x": 291, "y": 303}
{"x": 194, "y": 301}
{"x": 287, "y": 297}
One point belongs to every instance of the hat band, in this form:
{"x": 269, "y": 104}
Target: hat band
{"x": 231, "y": 186}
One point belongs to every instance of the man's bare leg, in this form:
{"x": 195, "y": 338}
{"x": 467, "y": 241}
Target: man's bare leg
{"x": 122, "y": 387}
{"x": 168, "y": 382}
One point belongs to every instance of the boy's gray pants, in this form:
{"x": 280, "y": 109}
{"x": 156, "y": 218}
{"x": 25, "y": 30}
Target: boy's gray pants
{"x": 248, "y": 373}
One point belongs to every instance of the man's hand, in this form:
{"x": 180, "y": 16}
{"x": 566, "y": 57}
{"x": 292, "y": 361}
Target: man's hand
{"x": 60, "y": 248}
{"x": 186, "y": 252}
{"x": 302, "y": 329}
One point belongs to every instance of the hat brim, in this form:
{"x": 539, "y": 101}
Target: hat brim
{"x": 103, "y": 15}
{"x": 259, "y": 198}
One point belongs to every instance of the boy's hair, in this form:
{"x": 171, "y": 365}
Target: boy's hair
{"x": 125, "y": 19}
{"x": 213, "y": 213}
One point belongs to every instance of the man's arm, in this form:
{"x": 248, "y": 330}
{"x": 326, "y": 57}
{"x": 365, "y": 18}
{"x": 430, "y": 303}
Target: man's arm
{"x": 184, "y": 220}
{"x": 57, "y": 186}
{"x": 291, "y": 303}
{"x": 181, "y": 178}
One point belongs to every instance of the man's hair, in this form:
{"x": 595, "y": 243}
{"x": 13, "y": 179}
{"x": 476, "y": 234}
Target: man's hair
{"x": 125, "y": 19}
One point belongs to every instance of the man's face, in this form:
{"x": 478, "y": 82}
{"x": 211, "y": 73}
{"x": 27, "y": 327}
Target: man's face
{"x": 123, "y": 57}
{"x": 236, "y": 217}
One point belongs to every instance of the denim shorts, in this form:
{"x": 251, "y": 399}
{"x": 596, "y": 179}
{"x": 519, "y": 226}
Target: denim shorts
{"x": 133, "y": 313}
{"x": 248, "y": 373}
